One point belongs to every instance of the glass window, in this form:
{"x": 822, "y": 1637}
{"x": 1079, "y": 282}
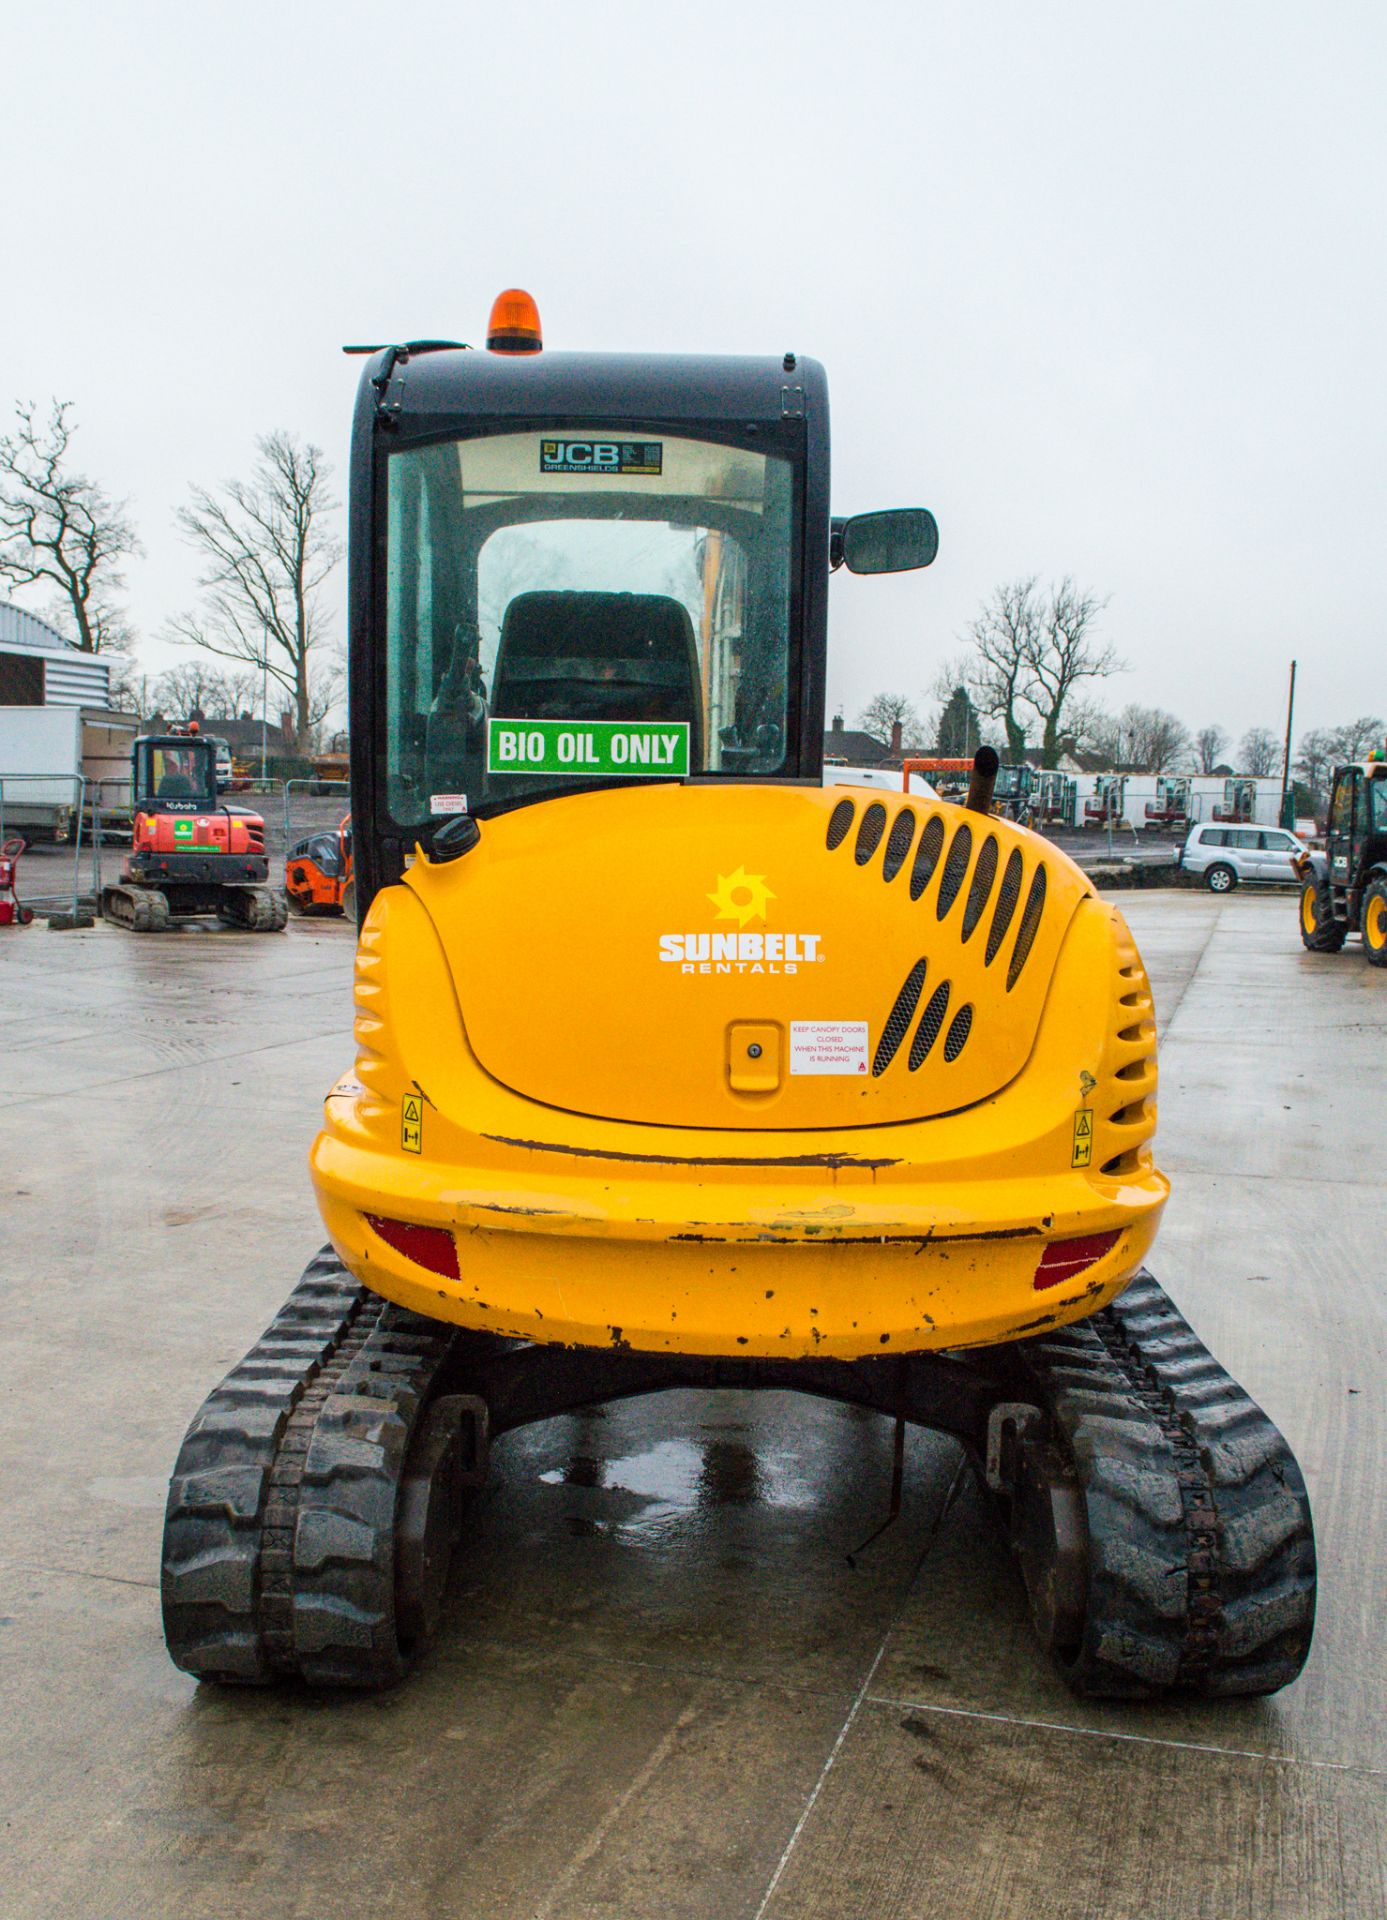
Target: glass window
{"x": 1360, "y": 806}
{"x": 1341, "y": 806}
{"x": 1244, "y": 840}
{"x": 1214, "y": 837}
{"x": 1380, "y": 803}
{"x": 1278, "y": 843}
{"x": 178, "y": 770}
{"x": 625, "y": 597}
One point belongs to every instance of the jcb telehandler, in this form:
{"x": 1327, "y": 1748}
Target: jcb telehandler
{"x": 1344, "y": 888}
{"x": 675, "y": 1068}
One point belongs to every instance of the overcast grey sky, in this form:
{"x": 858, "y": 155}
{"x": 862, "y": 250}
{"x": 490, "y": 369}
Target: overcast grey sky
{"x": 1101, "y": 283}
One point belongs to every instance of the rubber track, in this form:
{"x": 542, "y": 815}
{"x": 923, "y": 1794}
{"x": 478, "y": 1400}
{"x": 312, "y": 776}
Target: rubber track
{"x": 141, "y": 909}
{"x": 279, "y": 1534}
{"x": 1201, "y": 1547}
{"x": 257, "y": 909}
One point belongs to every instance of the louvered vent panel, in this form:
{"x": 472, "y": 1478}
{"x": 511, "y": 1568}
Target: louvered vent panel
{"x": 1007, "y": 897}
{"x": 899, "y": 1019}
{"x": 954, "y": 869}
{"x": 984, "y": 873}
{"x": 927, "y": 855}
{"x": 931, "y": 1020}
{"x": 1026, "y": 932}
{"x": 839, "y": 821}
{"x": 869, "y": 832}
{"x": 898, "y": 843}
{"x": 959, "y": 1029}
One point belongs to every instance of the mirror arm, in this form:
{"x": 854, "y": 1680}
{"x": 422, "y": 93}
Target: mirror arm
{"x": 835, "y": 544}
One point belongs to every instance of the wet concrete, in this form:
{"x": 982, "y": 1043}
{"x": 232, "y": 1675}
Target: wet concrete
{"x": 661, "y": 1691}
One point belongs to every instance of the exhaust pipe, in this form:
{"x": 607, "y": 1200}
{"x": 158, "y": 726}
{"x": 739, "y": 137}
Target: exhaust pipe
{"x": 982, "y": 780}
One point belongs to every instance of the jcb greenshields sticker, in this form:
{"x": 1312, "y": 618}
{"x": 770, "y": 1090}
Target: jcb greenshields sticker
{"x": 576, "y": 747}
{"x": 1083, "y": 1138}
{"x": 412, "y": 1123}
{"x": 611, "y": 457}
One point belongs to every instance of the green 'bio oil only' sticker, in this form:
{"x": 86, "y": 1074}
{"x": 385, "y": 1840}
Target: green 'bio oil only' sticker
{"x": 575, "y": 747}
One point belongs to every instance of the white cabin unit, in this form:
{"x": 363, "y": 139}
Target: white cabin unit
{"x": 56, "y": 726}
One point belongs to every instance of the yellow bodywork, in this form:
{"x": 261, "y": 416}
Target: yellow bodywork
{"x": 657, "y": 1059}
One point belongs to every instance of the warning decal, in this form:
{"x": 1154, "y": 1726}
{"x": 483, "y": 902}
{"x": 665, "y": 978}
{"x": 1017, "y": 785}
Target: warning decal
{"x": 412, "y": 1123}
{"x": 1083, "y": 1138}
{"x": 828, "y": 1046}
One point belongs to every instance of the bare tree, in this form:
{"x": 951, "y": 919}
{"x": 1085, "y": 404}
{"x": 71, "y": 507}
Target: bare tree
{"x": 1061, "y": 656}
{"x": 60, "y": 528}
{"x": 1090, "y": 729}
{"x": 267, "y": 552}
{"x": 130, "y": 690}
{"x": 195, "y": 686}
{"x": 888, "y": 710}
{"x": 1031, "y": 652}
{"x": 1209, "y": 744}
{"x": 1260, "y": 752}
{"x": 1153, "y": 740}
{"x": 1002, "y": 638}
{"x": 1356, "y": 740}
{"x": 1315, "y": 762}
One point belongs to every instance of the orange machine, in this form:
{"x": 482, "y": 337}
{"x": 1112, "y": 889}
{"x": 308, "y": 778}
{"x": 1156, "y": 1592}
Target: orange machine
{"x": 318, "y": 873}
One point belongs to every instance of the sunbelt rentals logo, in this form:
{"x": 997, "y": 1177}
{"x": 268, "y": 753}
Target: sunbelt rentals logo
{"x": 741, "y": 897}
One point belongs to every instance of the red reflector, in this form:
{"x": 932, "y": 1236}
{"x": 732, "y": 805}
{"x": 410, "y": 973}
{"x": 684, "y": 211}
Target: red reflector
{"x": 1062, "y": 1259}
{"x": 431, "y": 1247}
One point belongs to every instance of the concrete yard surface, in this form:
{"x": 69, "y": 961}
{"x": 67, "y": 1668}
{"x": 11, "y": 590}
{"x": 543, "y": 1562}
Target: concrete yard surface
{"x": 660, "y": 1692}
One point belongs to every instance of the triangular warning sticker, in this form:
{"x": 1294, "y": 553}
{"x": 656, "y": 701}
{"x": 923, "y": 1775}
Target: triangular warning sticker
{"x": 1083, "y": 1125}
{"x": 413, "y": 1108}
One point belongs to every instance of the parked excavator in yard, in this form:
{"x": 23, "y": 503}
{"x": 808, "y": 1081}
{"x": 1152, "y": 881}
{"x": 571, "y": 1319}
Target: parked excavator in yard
{"x": 1344, "y": 887}
{"x": 675, "y": 1068}
{"x": 190, "y": 853}
{"x": 1169, "y": 812}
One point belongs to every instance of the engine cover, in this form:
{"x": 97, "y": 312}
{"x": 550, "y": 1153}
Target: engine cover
{"x": 752, "y": 956}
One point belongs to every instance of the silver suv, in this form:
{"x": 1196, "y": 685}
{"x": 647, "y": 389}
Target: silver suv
{"x": 1226, "y": 855}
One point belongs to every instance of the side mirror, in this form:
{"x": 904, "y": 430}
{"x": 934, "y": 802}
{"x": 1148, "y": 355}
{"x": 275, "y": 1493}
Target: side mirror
{"x": 891, "y": 542}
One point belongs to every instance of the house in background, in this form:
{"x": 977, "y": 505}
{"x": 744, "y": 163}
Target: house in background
{"x": 846, "y": 746}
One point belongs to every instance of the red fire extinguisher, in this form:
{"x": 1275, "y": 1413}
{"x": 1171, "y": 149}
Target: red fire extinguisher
{"x": 11, "y": 912}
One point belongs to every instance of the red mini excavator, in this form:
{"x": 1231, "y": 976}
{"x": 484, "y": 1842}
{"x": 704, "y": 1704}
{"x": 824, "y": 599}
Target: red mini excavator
{"x": 189, "y": 853}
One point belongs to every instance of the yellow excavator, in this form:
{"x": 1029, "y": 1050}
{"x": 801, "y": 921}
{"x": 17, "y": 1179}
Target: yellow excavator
{"x": 676, "y": 1068}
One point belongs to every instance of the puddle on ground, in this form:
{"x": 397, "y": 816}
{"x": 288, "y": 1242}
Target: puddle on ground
{"x": 681, "y": 1476}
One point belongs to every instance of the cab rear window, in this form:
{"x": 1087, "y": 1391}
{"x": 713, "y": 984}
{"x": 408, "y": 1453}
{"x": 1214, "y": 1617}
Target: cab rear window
{"x": 562, "y": 609}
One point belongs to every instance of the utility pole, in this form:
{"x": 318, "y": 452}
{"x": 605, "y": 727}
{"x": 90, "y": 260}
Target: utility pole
{"x": 1286, "y": 762}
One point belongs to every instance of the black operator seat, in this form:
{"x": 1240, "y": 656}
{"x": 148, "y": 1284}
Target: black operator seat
{"x": 176, "y": 786}
{"x": 599, "y": 656}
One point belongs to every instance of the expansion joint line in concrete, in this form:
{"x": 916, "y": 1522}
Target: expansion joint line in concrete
{"x": 1136, "y": 1739}
{"x": 863, "y": 1693}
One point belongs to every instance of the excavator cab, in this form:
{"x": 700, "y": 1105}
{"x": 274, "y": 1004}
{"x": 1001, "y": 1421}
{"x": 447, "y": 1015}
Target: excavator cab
{"x": 586, "y": 572}
{"x": 174, "y": 773}
{"x": 676, "y": 1068}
